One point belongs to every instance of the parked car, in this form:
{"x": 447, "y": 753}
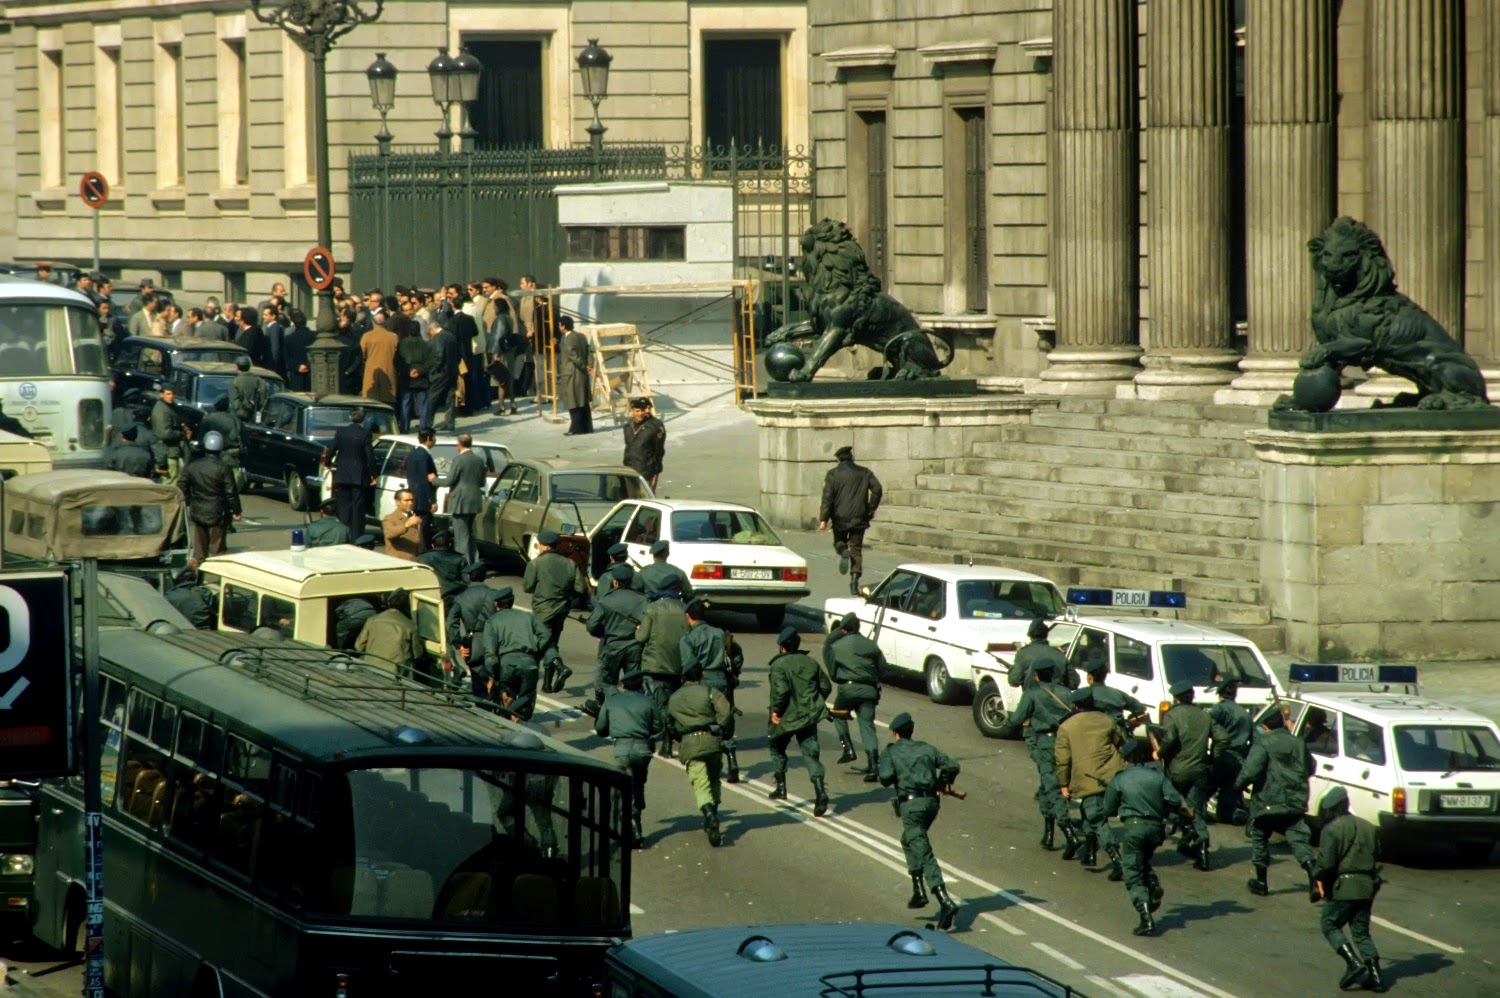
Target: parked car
{"x": 942, "y": 622}
{"x": 18, "y": 818}
{"x": 534, "y": 494}
{"x": 199, "y": 384}
{"x": 145, "y": 363}
{"x": 286, "y": 447}
{"x": 728, "y": 551}
{"x": 391, "y": 453}
{"x": 1421, "y": 771}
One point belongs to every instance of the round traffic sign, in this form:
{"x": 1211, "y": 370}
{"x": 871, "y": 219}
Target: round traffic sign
{"x": 318, "y": 268}
{"x": 94, "y": 189}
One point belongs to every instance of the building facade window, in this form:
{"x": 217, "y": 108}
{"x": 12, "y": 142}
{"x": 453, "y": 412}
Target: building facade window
{"x": 298, "y": 155}
{"x": 109, "y": 104}
{"x": 52, "y": 122}
{"x": 869, "y": 188}
{"x": 508, "y": 113}
{"x": 171, "y": 132}
{"x": 742, "y": 93}
{"x": 234, "y": 114}
{"x": 627, "y": 242}
{"x": 973, "y": 145}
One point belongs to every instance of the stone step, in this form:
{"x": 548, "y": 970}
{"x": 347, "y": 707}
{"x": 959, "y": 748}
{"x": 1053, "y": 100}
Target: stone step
{"x": 1152, "y": 442}
{"x": 1031, "y": 469}
{"x": 1103, "y": 457}
{"x": 1248, "y": 415}
{"x": 1118, "y": 498}
{"x": 1207, "y": 523}
{"x": 1224, "y": 558}
{"x": 1197, "y": 428}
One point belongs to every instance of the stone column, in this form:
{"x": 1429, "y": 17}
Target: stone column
{"x": 1485, "y": 347}
{"x": 1188, "y": 343}
{"x": 1289, "y": 169}
{"x": 1094, "y": 194}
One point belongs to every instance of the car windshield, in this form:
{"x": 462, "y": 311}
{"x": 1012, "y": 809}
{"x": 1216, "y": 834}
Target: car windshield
{"x": 1207, "y": 663}
{"x": 721, "y": 526}
{"x": 38, "y": 339}
{"x": 596, "y": 486}
{"x": 207, "y": 355}
{"x": 323, "y": 420}
{"x": 980, "y": 599}
{"x": 212, "y": 387}
{"x": 443, "y": 456}
{"x": 449, "y": 844}
{"x": 1446, "y": 748}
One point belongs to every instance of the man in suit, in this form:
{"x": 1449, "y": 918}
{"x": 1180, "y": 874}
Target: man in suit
{"x": 353, "y": 461}
{"x": 442, "y": 373}
{"x": 575, "y": 374}
{"x": 275, "y": 334}
{"x": 465, "y": 485}
{"x": 420, "y": 473}
{"x": 298, "y": 363}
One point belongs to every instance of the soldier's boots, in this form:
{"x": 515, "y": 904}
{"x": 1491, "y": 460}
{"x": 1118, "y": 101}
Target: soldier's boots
{"x": 853, "y": 585}
{"x": 1116, "y": 871}
{"x": 872, "y": 775}
{"x": 1354, "y": 970}
{"x": 1202, "y": 862}
{"x": 1373, "y": 980}
{"x": 1090, "y": 857}
{"x": 1313, "y": 895}
{"x": 665, "y": 749}
{"x": 948, "y": 908}
{"x": 1147, "y": 925}
{"x": 779, "y": 791}
{"x": 1257, "y": 883}
{"x": 820, "y": 797}
{"x": 1075, "y": 841}
{"x": 918, "y": 892}
{"x": 560, "y": 675}
{"x": 638, "y": 830}
{"x": 590, "y": 707}
{"x": 848, "y": 754}
{"x": 1188, "y": 844}
{"x": 843, "y": 561}
{"x": 1154, "y": 891}
{"x": 1048, "y": 831}
{"x": 733, "y": 776}
{"x": 711, "y": 824}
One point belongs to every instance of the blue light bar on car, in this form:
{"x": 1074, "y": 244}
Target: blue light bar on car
{"x": 1364, "y": 675}
{"x": 1138, "y": 598}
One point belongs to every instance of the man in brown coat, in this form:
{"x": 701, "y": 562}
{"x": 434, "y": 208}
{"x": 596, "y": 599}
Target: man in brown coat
{"x": 1088, "y": 757}
{"x": 379, "y": 348}
{"x": 575, "y": 378}
{"x": 403, "y": 528}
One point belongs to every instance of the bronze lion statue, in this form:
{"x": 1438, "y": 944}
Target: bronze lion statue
{"x": 848, "y": 309}
{"x": 1359, "y": 318}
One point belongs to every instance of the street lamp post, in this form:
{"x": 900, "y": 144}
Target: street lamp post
{"x": 467, "y": 70}
{"x": 593, "y": 66}
{"x": 382, "y": 77}
{"x": 440, "y": 72}
{"x": 315, "y": 25}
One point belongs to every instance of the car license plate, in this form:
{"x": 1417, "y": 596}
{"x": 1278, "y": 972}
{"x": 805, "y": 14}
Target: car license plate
{"x": 1131, "y": 597}
{"x": 1465, "y": 802}
{"x": 755, "y": 574}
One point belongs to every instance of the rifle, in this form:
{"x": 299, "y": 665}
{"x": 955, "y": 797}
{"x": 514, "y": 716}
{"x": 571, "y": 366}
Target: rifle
{"x": 840, "y": 713}
{"x": 949, "y": 791}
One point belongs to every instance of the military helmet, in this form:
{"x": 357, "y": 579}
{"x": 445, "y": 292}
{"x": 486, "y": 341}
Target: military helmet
{"x": 213, "y": 441}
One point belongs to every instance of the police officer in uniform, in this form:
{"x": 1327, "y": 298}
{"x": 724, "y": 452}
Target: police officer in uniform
{"x": 636, "y": 723}
{"x": 447, "y": 564}
{"x": 1233, "y": 727}
{"x": 349, "y": 619}
{"x": 328, "y": 529}
{"x": 919, "y": 772}
{"x": 855, "y": 664}
{"x": 1278, "y": 767}
{"x": 1122, "y": 708}
{"x": 467, "y": 616}
{"x": 661, "y": 575}
{"x": 1036, "y": 654}
{"x": 700, "y": 718}
{"x": 1087, "y": 759}
{"x": 707, "y": 647}
{"x": 512, "y": 644}
{"x": 799, "y": 690}
{"x": 391, "y": 635}
{"x": 1044, "y": 704}
{"x": 617, "y": 554}
{"x": 248, "y": 394}
{"x": 660, "y": 633}
{"x": 1142, "y": 797}
{"x": 613, "y": 621}
{"x": 129, "y": 456}
{"x": 195, "y": 601}
{"x": 1186, "y": 730}
{"x": 1348, "y": 880}
{"x": 228, "y": 425}
{"x": 556, "y": 585}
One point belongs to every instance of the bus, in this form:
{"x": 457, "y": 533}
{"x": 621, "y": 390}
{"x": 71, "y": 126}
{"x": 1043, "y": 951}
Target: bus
{"x": 54, "y": 377}
{"x": 287, "y": 820}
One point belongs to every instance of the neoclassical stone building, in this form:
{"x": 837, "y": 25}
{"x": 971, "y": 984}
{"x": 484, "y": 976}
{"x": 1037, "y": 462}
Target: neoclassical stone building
{"x": 1114, "y": 196}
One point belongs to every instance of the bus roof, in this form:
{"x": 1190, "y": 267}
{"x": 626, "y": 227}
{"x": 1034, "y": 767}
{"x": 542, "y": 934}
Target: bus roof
{"x": 25, "y": 289}
{"x": 318, "y": 703}
{"x": 334, "y": 565}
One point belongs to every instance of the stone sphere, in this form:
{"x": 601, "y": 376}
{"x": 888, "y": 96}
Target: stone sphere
{"x": 782, "y": 360}
{"x": 1317, "y": 389}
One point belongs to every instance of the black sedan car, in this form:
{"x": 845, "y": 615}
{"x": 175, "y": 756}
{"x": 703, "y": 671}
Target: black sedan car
{"x": 145, "y": 363}
{"x": 286, "y": 447}
{"x": 199, "y": 384}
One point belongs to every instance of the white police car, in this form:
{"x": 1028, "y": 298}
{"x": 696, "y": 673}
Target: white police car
{"x": 1419, "y": 770}
{"x": 1146, "y": 655}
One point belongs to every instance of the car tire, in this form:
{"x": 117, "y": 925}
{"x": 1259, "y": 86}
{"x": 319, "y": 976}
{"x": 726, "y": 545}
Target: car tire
{"x": 296, "y": 492}
{"x": 990, "y": 714}
{"x": 1474, "y": 853}
{"x": 771, "y": 618}
{"x": 940, "y": 685}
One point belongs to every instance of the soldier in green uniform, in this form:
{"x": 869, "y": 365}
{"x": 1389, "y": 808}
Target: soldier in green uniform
{"x": 1232, "y": 730}
{"x": 248, "y": 394}
{"x": 1183, "y": 745}
{"x": 327, "y": 529}
{"x": 448, "y": 564}
{"x": 798, "y": 691}
{"x": 659, "y": 634}
{"x": 466, "y": 617}
{"x": 700, "y": 718}
{"x": 707, "y": 647}
{"x": 636, "y": 723}
{"x": 1348, "y": 880}
{"x": 228, "y": 425}
{"x": 195, "y": 601}
{"x": 556, "y": 584}
{"x": 613, "y": 621}
{"x": 919, "y": 772}
{"x": 1043, "y": 706}
{"x": 617, "y": 555}
{"x": 660, "y": 575}
{"x": 1122, "y": 708}
{"x": 855, "y": 664}
{"x": 511, "y": 645}
{"x": 391, "y": 635}
{"x": 1087, "y": 759}
{"x": 1038, "y": 653}
{"x": 1142, "y": 797}
{"x": 1278, "y": 766}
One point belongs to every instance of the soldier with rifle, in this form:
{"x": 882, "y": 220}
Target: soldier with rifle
{"x": 1186, "y": 730}
{"x": 471, "y": 608}
{"x": 613, "y": 621}
{"x": 710, "y": 648}
{"x": 1125, "y": 710}
{"x": 855, "y": 663}
{"x": 1348, "y": 879}
{"x": 798, "y": 688}
{"x": 636, "y": 723}
{"x": 1233, "y": 727}
{"x": 921, "y": 774}
{"x": 556, "y": 585}
{"x": 1042, "y": 708}
{"x": 700, "y": 718}
{"x": 1142, "y": 796}
{"x": 1278, "y": 767}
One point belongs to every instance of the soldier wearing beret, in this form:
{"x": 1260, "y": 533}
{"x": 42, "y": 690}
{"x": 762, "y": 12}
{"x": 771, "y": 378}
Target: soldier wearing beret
{"x": 613, "y": 622}
{"x": 661, "y": 575}
{"x": 636, "y": 723}
{"x": 855, "y": 664}
{"x": 557, "y": 585}
{"x": 328, "y": 529}
{"x": 617, "y": 554}
{"x": 1142, "y": 797}
{"x": 798, "y": 691}
{"x": 645, "y": 441}
{"x": 1348, "y": 879}
{"x": 919, "y": 772}
{"x": 851, "y": 495}
{"x": 710, "y": 649}
{"x": 1233, "y": 727}
{"x": 510, "y": 646}
{"x": 1043, "y": 707}
{"x": 1186, "y": 730}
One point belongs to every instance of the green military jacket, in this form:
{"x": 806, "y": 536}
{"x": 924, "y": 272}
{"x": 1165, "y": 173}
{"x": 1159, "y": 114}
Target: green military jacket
{"x": 1118, "y": 704}
{"x": 798, "y": 691}
{"x": 1087, "y": 758}
{"x": 707, "y": 646}
{"x": 247, "y": 396}
{"x": 553, "y": 581}
{"x": 1184, "y": 741}
{"x": 606, "y": 580}
{"x": 690, "y": 711}
{"x": 1039, "y": 654}
{"x": 1044, "y": 705}
{"x": 855, "y": 663}
{"x": 391, "y": 635}
{"x": 196, "y": 602}
{"x": 511, "y": 634}
{"x": 1232, "y": 727}
{"x": 914, "y": 767}
{"x": 471, "y": 608}
{"x": 1141, "y": 792}
{"x": 653, "y": 578}
{"x": 1277, "y": 766}
{"x": 449, "y": 567}
{"x": 660, "y": 634}
{"x": 615, "y": 617}
{"x": 1347, "y": 856}
{"x": 634, "y": 720}
{"x": 326, "y": 532}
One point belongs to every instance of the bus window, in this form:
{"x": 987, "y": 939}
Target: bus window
{"x": 239, "y": 607}
{"x": 247, "y": 775}
{"x": 112, "y": 716}
{"x": 144, "y": 788}
{"x": 195, "y": 812}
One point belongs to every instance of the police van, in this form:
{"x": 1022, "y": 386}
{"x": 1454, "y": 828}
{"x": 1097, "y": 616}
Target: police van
{"x": 1419, "y": 770}
{"x": 1146, "y": 650}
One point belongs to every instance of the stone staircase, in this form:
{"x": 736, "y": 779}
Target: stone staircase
{"x": 1106, "y": 492}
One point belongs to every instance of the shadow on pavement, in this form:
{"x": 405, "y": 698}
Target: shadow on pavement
{"x": 1179, "y": 916}
{"x": 1416, "y": 966}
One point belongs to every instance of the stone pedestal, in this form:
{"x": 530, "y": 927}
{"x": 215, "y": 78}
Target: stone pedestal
{"x": 895, "y": 438}
{"x": 1382, "y": 545}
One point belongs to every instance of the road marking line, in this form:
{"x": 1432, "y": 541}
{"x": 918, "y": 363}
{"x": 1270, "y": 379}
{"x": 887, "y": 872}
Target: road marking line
{"x": 995, "y": 919}
{"x": 636, "y": 909}
{"x": 1155, "y": 986}
{"x": 1104, "y": 984}
{"x": 1415, "y": 935}
{"x": 1060, "y": 957}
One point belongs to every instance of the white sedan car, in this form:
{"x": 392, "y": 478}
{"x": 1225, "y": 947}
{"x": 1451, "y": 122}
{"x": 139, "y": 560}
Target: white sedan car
{"x": 391, "y": 452}
{"x": 941, "y": 621}
{"x": 730, "y": 553}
